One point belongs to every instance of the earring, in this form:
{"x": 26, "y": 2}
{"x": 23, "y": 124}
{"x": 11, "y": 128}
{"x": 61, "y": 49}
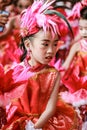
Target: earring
{"x": 28, "y": 54}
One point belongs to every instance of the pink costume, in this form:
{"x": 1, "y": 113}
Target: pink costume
{"x": 75, "y": 79}
{"x": 9, "y": 45}
{"x": 79, "y": 100}
{"x": 74, "y": 16}
{"x": 76, "y": 76}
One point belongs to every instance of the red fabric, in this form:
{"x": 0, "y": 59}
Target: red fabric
{"x": 76, "y": 76}
{"x": 8, "y": 50}
{"x": 25, "y": 96}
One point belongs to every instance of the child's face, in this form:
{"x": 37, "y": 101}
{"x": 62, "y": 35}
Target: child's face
{"x": 4, "y": 3}
{"x": 11, "y": 9}
{"x": 23, "y": 4}
{"x": 83, "y": 28}
{"x": 43, "y": 47}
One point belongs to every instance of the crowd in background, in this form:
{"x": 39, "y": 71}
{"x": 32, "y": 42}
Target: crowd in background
{"x": 10, "y": 36}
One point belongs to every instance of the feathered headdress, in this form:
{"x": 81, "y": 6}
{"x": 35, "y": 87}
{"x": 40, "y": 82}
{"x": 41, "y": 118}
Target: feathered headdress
{"x": 76, "y": 10}
{"x": 42, "y": 15}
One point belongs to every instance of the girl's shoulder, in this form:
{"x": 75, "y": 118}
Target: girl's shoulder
{"x": 50, "y": 69}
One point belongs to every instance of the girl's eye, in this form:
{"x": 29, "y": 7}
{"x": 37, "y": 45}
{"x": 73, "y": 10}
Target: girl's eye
{"x": 45, "y": 44}
{"x": 55, "y": 44}
{"x": 80, "y": 28}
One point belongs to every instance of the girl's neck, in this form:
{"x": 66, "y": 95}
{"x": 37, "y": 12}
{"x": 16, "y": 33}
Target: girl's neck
{"x": 33, "y": 63}
{"x": 34, "y": 67}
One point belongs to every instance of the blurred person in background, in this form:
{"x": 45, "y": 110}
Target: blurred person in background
{"x": 10, "y": 37}
{"x": 3, "y": 17}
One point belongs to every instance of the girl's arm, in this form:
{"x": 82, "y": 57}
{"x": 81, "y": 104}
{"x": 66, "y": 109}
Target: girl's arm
{"x": 3, "y": 19}
{"x": 8, "y": 30}
{"x": 74, "y": 49}
{"x": 51, "y": 106}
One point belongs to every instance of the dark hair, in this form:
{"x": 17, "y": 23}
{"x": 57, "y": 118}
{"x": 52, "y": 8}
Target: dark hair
{"x": 3, "y": 119}
{"x": 83, "y": 13}
{"x": 22, "y": 46}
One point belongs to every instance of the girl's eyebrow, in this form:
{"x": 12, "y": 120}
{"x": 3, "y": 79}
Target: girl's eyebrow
{"x": 56, "y": 40}
{"x": 49, "y": 40}
{"x": 82, "y": 26}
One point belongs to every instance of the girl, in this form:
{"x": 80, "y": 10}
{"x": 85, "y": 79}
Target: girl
{"x": 75, "y": 78}
{"x": 3, "y": 16}
{"x": 78, "y": 54}
{"x": 30, "y": 92}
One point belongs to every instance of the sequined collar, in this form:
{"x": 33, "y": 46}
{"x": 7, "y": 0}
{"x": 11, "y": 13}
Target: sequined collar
{"x": 34, "y": 68}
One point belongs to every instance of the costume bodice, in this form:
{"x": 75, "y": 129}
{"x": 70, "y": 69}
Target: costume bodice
{"x": 35, "y": 87}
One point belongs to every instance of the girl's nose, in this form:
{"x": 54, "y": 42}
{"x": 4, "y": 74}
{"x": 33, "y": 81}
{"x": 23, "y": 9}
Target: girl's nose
{"x": 50, "y": 49}
{"x": 84, "y": 31}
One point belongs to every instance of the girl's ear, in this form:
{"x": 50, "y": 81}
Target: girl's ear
{"x": 27, "y": 44}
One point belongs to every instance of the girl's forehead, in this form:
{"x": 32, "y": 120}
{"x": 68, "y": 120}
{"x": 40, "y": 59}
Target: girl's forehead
{"x": 83, "y": 23}
{"x": 24, "y": 1}
{"x": 46, "y": 35}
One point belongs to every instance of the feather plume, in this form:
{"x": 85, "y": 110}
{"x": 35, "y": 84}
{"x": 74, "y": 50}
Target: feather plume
{"x": 61, "y": 16}
{"x": 41, "y": 15}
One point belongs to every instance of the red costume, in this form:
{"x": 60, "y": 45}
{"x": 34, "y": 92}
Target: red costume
{"x": 24, "y": 99}
{"x": 76, "y": 76}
